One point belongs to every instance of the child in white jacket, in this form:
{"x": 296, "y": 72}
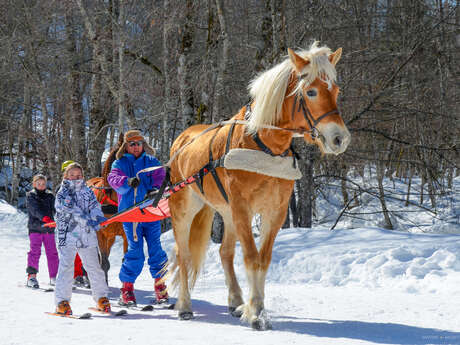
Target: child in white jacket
{"x": 78, "y": 215}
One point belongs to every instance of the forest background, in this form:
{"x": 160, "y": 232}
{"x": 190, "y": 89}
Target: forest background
{"x": 76, "y": 73}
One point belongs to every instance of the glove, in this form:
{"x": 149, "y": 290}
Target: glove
{"x": 100, "y": 219}
{"x": 151, "y": 194}
{"x": 96, "y": 223}
{"x": 46, "y": 219}
{"x": 93, "y": 223}
{"x": 133, "y": 182}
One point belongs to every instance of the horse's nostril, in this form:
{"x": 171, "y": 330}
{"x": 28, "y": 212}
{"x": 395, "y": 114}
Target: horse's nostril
{"x": 337, "y": 141}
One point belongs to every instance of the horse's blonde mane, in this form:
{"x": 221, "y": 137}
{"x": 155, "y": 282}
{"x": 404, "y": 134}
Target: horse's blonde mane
{"x": 268, "y": 89}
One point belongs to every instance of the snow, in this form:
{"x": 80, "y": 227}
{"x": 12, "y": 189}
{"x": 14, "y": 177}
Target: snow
{"x": 357, "y": 284}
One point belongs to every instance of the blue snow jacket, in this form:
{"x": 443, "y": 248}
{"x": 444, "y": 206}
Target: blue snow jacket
{"x": 128, "y": 166}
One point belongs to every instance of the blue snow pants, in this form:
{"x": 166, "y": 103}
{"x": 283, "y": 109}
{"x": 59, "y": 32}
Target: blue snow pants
{"x": 134, "y": 258}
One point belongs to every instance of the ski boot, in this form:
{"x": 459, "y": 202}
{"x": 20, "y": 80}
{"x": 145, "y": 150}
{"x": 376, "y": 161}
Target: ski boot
{"x": 127, "y": 297}
{"x": 32, "y": 281}
{"x": 161, "y": 291}
{"x": 53, "y": 281}
{"x": 78, "y": 281}
{"x": 64, "y": 308}
{"x": 86, "y": 282}
{"x": 103, "y": 304}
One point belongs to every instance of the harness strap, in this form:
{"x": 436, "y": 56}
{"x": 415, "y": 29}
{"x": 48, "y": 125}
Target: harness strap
{"x": 212, "y": 165}
{"x": 295, "y": 155}
{"x": 265, "y": 148}
{"x": 106, "y": 198}
{"x": 199, "y": 181}
{"x": 166, "y": 182}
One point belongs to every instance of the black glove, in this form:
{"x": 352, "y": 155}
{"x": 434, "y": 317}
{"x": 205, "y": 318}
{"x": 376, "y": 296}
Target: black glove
{"x": 151, "y": 194}
{"x": 133, "y": 182}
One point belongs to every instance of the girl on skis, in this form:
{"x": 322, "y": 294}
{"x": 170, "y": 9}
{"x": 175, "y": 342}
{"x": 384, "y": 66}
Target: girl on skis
{"x": 40, "y": 207}
{"x": 78, "y": 215}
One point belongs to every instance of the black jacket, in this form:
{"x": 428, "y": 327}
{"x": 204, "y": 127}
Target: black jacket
{"x": 39, "y": 205}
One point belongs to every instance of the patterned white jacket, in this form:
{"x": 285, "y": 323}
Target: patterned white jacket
{"x": 78, "y": 214}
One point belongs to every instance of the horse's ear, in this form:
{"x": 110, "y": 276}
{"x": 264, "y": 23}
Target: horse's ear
{"x": 298, "y": 62}
{"x": 335, "y": 56}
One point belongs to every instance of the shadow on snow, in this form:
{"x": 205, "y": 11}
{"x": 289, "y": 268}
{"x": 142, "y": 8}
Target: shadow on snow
{"x": 388, "y": 333}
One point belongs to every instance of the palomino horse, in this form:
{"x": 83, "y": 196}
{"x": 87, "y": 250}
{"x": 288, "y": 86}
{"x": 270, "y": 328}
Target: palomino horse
{"x": 295, "y": 98}
{"x": 107, "y": 235}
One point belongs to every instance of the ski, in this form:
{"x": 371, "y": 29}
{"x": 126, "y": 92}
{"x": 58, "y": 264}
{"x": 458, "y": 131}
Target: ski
{"x": 147, "y": 307}
{"x": 121, "y": 312}
{"x": 72, "y": 316}
{"x": 42, "y": 289}
{"x": 49, "y": 289}
{"x": 163, "y": 305}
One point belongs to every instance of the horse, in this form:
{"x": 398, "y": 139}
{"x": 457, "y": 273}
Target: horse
{"x": 108, "y": 199}
{"x": 106, "y": 236}
{"x": 295, "y": 98}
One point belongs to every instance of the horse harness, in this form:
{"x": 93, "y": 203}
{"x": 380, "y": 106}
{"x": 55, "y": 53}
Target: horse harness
{"x": 213, "y": 164}
{"x": 112, "y": 206}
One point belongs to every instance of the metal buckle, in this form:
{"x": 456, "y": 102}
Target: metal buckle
{"x": 314, "y": 133}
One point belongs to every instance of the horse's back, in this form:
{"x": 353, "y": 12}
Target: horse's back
{"x": 94, "y": 181}
{"x": 187, "y": 136}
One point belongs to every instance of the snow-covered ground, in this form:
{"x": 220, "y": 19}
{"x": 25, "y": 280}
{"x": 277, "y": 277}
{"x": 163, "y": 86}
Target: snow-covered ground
{"x": 353, "y": 285}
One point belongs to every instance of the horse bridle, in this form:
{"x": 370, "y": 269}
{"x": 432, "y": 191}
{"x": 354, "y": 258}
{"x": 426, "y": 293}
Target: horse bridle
{"x": 312, "y": 122}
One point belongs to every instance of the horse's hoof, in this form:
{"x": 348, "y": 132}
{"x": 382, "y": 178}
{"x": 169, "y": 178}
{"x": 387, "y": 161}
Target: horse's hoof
{"x": 262, "y": 322}
{"x": 261, "y": 325}
{"x": 235, "y": 312}
{"x": 185, "y": 315}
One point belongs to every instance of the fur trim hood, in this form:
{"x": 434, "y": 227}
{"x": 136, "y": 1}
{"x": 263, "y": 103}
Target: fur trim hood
{"x": 134, "y": 135}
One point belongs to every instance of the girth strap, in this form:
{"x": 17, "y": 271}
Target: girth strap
{"x": 213, "y": 164}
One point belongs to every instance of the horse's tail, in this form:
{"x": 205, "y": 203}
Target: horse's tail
{"x": 111, "y": 158}
{"x": 200, "y": 232}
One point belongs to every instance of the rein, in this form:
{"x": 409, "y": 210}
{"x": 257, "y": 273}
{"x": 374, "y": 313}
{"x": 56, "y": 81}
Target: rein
{"x": 213, "y": 164}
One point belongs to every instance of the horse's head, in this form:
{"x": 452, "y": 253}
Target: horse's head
{"x": 300, "y": 94}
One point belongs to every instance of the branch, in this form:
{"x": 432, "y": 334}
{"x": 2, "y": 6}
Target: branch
{"x": 143, "y": 60}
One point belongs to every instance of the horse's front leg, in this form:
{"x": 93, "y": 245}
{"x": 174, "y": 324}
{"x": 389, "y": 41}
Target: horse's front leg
{"x": 254, "y": 308}
{"x": 227, "y": 254}
{"x": 257, "y": 264}
{"x": 271, "y": 224}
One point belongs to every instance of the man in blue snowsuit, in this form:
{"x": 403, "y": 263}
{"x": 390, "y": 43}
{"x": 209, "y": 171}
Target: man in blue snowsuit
{"x": 134, "y": 155}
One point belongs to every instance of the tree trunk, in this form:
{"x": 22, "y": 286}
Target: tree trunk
{"x": 185, "y": 85}
{"x": 168, "y": 60}
{"x": 78, "y": 142}
{"x": 305, "y": 186}
{"x": 220, "y": 80}
{"x": 97, "y": 125}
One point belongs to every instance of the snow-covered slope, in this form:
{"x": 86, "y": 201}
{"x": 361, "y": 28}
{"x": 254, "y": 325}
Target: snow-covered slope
{"x": 347, "y": 286}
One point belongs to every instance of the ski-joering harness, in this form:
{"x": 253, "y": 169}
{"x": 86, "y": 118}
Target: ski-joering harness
{"x": 112, "y": 205}
{"x": 219, "y": 163}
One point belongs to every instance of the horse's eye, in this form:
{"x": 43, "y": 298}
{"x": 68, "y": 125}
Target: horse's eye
{"x": 311, "y": 93}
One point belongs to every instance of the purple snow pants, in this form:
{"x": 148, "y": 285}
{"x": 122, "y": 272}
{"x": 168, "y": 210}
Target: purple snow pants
{"x": 33, "y": 256}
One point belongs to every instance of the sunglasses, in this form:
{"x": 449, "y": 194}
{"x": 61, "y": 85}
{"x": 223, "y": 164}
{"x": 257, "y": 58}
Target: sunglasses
{"x": 135, "y": 143}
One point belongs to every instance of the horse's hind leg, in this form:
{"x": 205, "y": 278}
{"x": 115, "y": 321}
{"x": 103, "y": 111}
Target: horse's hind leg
{"x": 183, "y": 211}
{"x": 227, "y": 254}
